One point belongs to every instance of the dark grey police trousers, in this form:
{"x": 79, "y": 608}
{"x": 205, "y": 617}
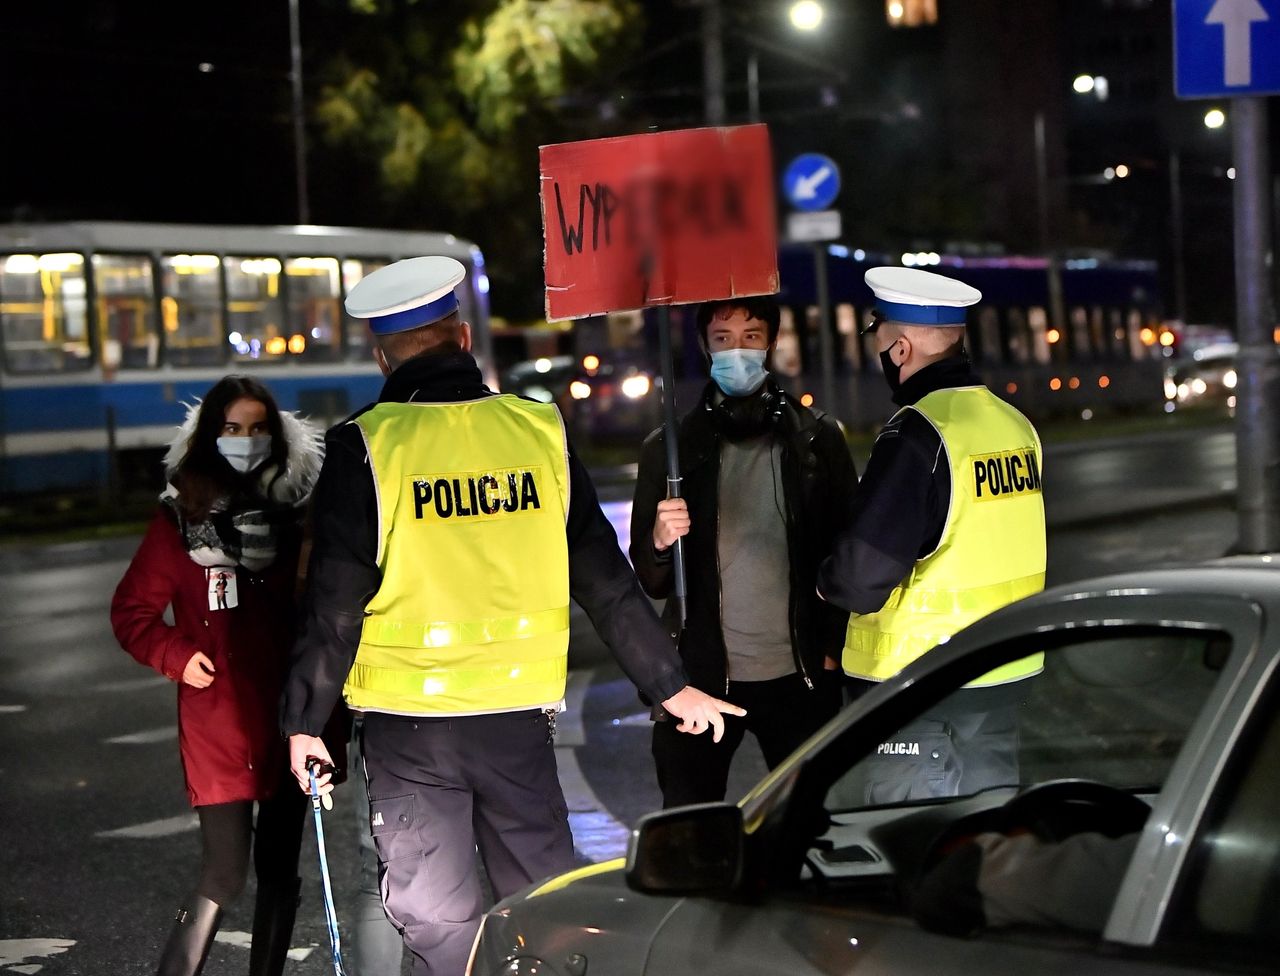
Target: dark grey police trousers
{"x": 441, "y": 788}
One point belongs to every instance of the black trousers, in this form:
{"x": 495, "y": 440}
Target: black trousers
{"x": 781, "y": 714}
{"x": 439, "y": 788}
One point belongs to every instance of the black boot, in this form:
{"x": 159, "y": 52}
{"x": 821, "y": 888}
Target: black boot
{"x": 273, "y": 915}
{"x": 193, "y": 932}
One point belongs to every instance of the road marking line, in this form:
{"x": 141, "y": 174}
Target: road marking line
{"x": 635, "y": 718}
{"x": 156, "y": 828}
{"x": 596, "y": 834}
{"x": 569, "y": 727}
{"x": 12, "y": 709}
{"x": 134, "y": 684}
{"x": 244, "y": 939}
{"x": 14, "y": 951}
{"x": 145, "y": 738}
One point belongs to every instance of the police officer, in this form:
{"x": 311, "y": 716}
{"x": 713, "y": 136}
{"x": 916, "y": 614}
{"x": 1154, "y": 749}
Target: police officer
{"x": 452, "y": 527}
{"x": 948, "y": 527}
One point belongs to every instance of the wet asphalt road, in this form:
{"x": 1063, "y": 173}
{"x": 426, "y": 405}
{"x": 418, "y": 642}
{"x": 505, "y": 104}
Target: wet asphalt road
{"x": 97, "y": 842}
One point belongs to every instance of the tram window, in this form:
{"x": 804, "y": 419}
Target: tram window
{"x": 1038, "y": 326}
{"x": 786, "y": 354}
{"x": 255, "y": 318}
{"x": 1019, "y": 337}
{"x": 1137, "y": 349}
{"x": 191, "y": 310}
{"x": 1098, "y": 329}
{"x": 314, "y": 316}
{"x": 125, "y": 291}
{"x": 44, "y": 313}
{"x": 353, "y": 270}
{"x": 1080, "y": 334}
{"x": 1119, "y": 337}
{"x": 988, "y": 332}
{"x": 847, "y": 329}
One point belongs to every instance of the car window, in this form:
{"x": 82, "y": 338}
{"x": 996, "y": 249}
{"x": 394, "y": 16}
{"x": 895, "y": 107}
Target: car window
{"x": 1042, "y": 783}
{"x": 1229, "y": 900}
{"x": 1114, "y": 709}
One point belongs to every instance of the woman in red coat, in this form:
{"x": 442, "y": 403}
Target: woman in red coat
{"x": 223, "y": 552}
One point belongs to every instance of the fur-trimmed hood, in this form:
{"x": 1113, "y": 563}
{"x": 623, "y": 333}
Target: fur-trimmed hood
{"x": 305, "y": 442}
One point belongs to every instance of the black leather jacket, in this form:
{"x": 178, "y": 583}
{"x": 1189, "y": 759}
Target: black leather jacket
{"x": 818, "y": 480}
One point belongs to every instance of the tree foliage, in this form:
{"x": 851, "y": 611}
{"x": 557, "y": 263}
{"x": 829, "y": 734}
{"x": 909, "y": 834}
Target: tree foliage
{"x": 442, "y": 105}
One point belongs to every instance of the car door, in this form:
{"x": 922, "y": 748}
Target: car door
{"x": 1136, "y": 687}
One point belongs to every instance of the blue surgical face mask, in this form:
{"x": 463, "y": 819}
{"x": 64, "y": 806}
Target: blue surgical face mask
{"x": 738, "y": 372}
{"x": 245, "y": 453}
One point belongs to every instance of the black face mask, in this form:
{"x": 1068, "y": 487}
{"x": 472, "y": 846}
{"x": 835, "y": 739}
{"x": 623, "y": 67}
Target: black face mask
{"x": 892, "y": 371}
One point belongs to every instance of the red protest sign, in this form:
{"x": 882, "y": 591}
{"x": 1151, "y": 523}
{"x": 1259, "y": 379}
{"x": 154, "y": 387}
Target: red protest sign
{"x": 663, "y": 218}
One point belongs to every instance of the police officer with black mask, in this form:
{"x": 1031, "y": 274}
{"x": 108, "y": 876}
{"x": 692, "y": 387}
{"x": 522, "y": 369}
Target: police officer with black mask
{"x": 948, "y": 526}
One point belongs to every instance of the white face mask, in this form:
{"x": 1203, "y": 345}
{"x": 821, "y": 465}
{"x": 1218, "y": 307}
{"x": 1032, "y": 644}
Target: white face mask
{"x": 245, "y": 453}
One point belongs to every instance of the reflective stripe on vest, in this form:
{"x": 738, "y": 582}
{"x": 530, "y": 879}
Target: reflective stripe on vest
{"x": 472, "y": 614}
{"x": 992, "y": 549}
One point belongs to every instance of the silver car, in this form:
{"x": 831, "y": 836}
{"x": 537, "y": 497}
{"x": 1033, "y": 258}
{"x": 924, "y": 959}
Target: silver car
{"x": 1142, "y": 833}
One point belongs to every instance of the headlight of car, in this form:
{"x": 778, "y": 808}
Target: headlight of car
{"x": 498, "y": 952}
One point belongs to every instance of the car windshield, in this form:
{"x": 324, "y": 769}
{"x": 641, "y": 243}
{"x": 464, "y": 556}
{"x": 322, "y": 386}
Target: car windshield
{"x": 1106, "y": 708}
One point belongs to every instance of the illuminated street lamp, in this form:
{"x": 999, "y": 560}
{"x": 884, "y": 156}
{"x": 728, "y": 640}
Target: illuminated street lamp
{"x": 1083, "y": 84}
{"x": 806, "y": 15}
{"x": 1215, "y": 118}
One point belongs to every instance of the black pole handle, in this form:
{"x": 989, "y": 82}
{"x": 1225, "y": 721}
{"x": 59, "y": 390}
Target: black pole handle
{"x": 672, "y": 444}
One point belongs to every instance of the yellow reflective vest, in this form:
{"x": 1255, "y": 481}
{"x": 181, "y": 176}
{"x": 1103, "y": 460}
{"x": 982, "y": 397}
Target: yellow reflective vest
{"x": 992, "y": 548}
{"x": 472, "y": 614}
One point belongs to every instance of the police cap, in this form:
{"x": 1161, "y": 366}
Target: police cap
{"x": 915, "y": 297}
{"x": 408, "y": 294}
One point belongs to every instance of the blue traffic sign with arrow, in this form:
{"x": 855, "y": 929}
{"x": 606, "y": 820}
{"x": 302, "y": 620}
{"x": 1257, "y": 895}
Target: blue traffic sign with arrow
{"x": 811, "y": 181}
{"x": 1225, "y": 48}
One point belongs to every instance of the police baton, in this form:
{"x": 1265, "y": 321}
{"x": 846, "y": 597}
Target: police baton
{"x": 330, "y": 914}
{"x": 671, "y": 437}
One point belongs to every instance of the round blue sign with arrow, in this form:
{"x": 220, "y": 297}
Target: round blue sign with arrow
{"x": 811, "y": 181}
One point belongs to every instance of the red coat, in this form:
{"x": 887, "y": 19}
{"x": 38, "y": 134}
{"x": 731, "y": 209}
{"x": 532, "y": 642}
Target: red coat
{"x": 228, "y": 732}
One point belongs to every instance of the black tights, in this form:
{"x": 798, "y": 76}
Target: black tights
{"x": 225, "y": 832}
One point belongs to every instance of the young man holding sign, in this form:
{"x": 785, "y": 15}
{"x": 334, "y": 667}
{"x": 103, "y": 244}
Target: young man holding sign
{"x": 767, "y": 483}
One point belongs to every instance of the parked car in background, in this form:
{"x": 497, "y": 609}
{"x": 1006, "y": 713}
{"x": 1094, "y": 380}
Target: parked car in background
{"x": 1155, "y": 725}
{"x": 604, "y": 399}
{"x": 1205, "y": 377}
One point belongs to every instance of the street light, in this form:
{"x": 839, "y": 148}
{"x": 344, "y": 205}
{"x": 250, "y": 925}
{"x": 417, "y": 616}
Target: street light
{"x": 1083, "y": 84}
{"x": 806, "y": 15}
{"x": 1215, "y": 118}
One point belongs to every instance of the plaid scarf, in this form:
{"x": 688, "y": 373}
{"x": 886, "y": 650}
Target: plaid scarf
{"x": 248, "y": 537}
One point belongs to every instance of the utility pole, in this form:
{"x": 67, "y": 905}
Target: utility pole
{"x": 299, "y": 126}
{"x": 1179, "y": 241}
{"x": 1258, "y": 392}
{"x": 1057, "y": 307}
{"x": 712, "y": 61}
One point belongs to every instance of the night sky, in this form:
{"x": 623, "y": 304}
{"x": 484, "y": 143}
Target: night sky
{"x": 109, "y": 115}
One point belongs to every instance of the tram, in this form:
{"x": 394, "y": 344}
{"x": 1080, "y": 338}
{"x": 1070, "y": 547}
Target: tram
{"x": 108, "y": 330}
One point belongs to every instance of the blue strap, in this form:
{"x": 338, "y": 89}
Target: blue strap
{"x": 413, "y": 317}
{"x": 920, "y": 314}
{"x": 330, "y": 914}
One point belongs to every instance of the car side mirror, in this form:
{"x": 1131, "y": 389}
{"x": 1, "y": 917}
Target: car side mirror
{"x": 687, "y": 850}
